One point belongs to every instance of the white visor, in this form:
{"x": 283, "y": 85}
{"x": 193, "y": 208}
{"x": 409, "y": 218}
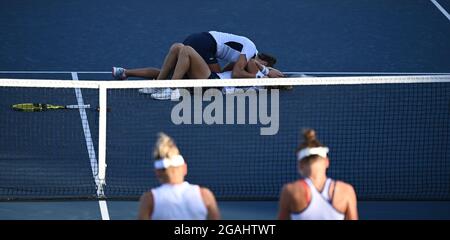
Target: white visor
{"x": 164, "y": 163}
{"x": 321, "y": 151}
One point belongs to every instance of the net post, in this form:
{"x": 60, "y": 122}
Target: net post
{"x": 102, "y": 139}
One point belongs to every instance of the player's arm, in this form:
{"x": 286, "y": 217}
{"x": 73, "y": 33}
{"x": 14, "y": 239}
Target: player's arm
{"x": 352, "y": 210}
{"x": 215, "y": 67}
{"x": 272, "y": 72}
{"x": 211, "y": 204}
{"x": 145, "y": 206}
{"x": 283, "y": 211}
{"x": 228, "y": 67}
{"x": 239, "y": 68}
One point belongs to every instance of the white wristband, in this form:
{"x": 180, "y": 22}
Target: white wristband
{"x": 265, "y": 71}
{"x": 259, "y": 74}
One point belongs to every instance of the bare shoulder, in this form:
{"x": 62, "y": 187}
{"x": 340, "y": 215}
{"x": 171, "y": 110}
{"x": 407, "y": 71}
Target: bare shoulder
{"x": 145, "y": 206}
{"x": 287, "y": 188}
{"x": 345, "y": 188}
{"x": 291, "y": 187}
{"x": 207, "y": 195}
{"x": 146, "y": 197}
{"x": 205, "y": 191}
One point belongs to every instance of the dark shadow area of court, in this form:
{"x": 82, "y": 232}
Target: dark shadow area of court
{"x": 127, "y": 210}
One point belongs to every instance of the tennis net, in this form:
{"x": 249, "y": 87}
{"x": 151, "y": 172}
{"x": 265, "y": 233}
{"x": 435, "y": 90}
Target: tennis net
{"x": 388, "y": 136}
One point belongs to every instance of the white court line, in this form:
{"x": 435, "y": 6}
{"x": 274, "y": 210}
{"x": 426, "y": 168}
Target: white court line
{"x": 443, "y": 11}
{"x": 104, "y": 209}
{"x": 90, "y": 147}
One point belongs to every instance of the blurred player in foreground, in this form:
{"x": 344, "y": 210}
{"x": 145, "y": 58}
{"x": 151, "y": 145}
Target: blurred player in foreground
{"x": 316, "y": 197}
{"x": 175, "y": 199}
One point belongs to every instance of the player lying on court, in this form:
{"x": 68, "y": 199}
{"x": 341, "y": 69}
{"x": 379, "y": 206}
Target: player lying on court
{"x": 211, "y": 46}
{"x": 175, "y": 198}
{"x": 189, "y": 63}
{"x": 316, "y": 197}
{"x": 186, "y": 62}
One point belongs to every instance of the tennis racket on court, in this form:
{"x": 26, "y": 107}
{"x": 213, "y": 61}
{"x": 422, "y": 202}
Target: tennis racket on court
{"x": 40, "y": 107}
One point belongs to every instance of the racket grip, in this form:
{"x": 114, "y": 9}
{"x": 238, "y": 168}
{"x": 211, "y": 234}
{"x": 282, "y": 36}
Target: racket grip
{"x": 79, "y": 106}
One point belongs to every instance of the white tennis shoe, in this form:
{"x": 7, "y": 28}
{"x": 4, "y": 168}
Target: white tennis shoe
{"x": 232, "y": 90}
{"x": 166, "y": 94}
{"x": 148, "y": 90}
{"x": 119, "y": 73}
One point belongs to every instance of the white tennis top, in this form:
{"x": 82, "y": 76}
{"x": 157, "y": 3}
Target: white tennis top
{"x": 320, "y": 206}
{"x": 230, "y": 46}
{"x": 178, "y": 202}
{"x": 225, "y": 75}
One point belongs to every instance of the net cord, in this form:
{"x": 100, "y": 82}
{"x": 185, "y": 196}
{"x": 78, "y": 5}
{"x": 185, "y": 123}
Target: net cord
{"x": 304, "y": 81}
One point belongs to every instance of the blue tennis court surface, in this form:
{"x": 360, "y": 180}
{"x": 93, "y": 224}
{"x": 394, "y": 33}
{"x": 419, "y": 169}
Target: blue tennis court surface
{"x": 257, "y": 210}
{"x": 57, "y": 39}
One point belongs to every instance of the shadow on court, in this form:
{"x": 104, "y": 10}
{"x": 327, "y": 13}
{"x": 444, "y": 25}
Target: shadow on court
{"x": 127, "y": 210}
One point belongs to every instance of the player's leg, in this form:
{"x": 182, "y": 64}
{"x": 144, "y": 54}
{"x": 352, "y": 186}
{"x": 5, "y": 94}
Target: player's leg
{"x": 191, "y": 63}
{"x": 149, "y": 73}
{"x": 170, "y": 61}
{"x": 214, "y": 67}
